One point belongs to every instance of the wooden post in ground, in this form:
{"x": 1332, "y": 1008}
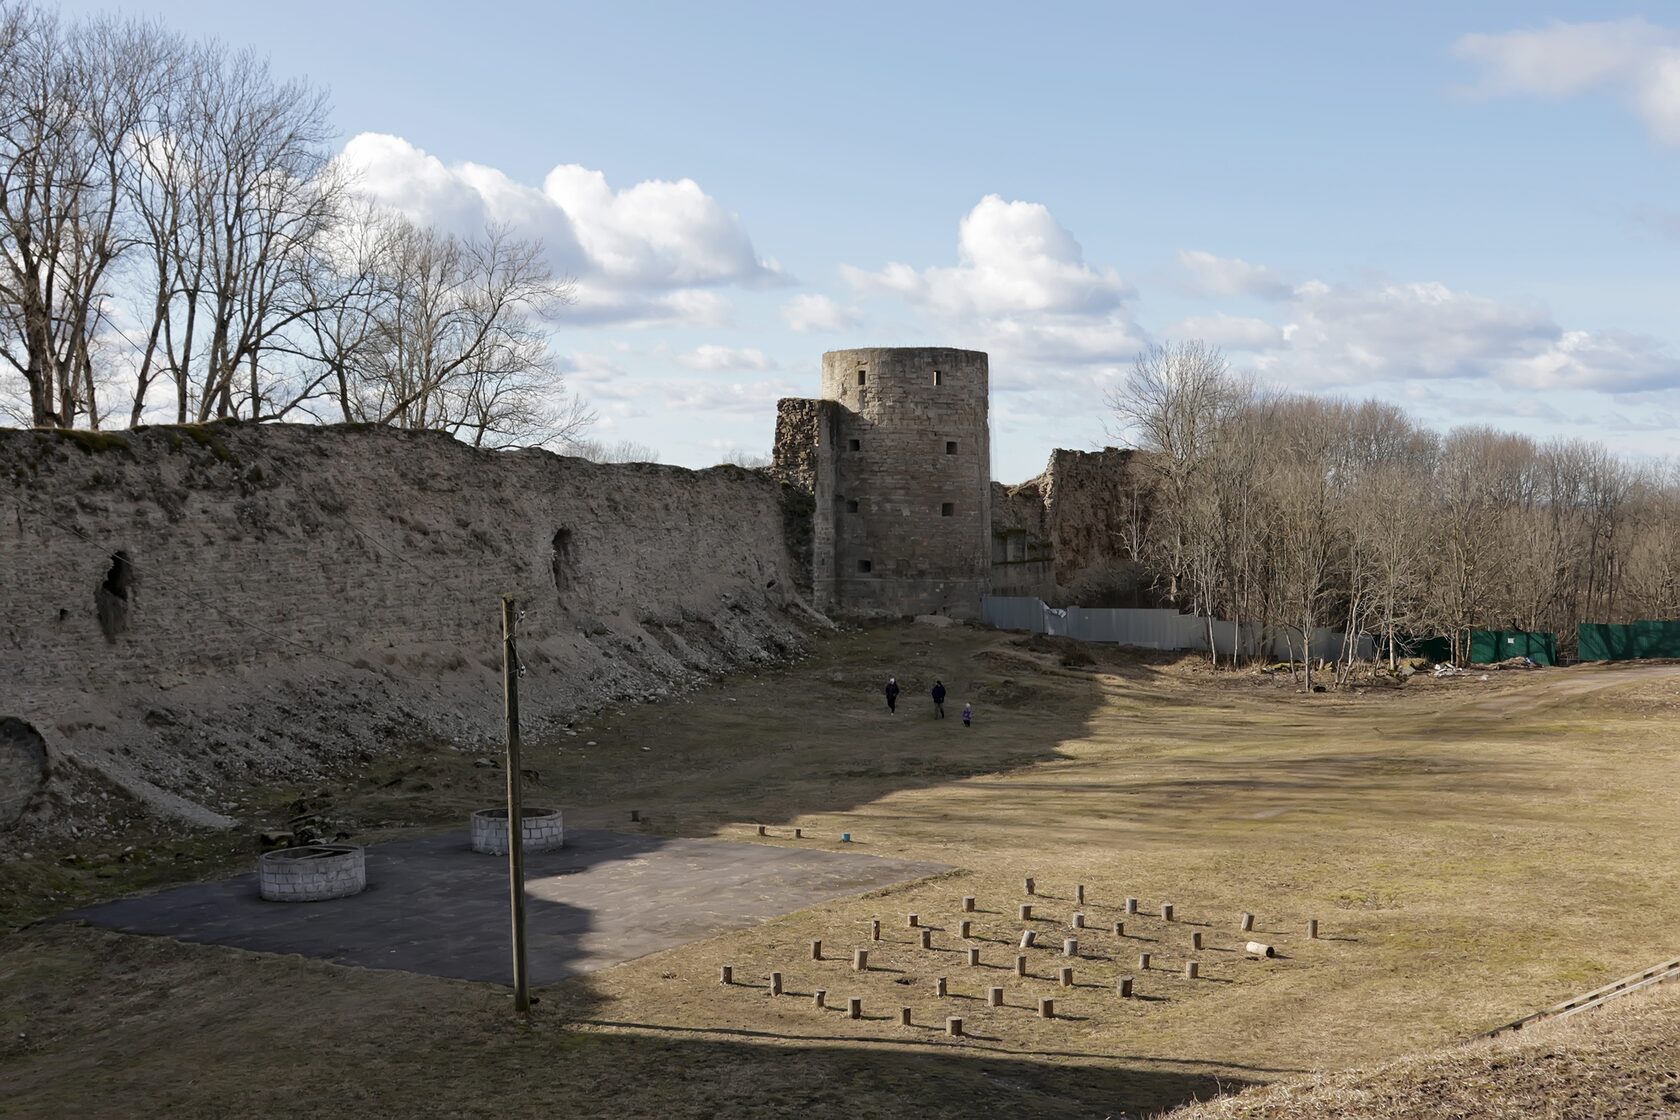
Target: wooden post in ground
{"x": 1192, "y": 969}
{"x": 1020, "y": 965}
{"x": 1166, "y": 911}
{"x": 1029, "y": 886}
{"x": 1312, "y": 929}
{"x": 1196, "y": 940}
{"x": 1079, "y": 895}
{"x": 974, "y": 958}
{"x": 994, "y": 997}
{"x": 1131, "y": 906}
{"x": 904, "y": 1016}
{"x": 515, "y": 806}
{"x": 1046, "y": 1008}
{"x": 875, "y": 929}
{"x": 1247, "y": 922}
{"x": 968, "y": 904}
{"x": 816, "y": 950}
{"x": 860, "y": 960}
{"x": 953, "y": 1026}
{"x": 966, "y": 929}
{"x": 819, "y": 998}
{"x": 854, "y": 1008}
{"x": 927, "y": 938}
{"x": 726, "y": 975}
{"x": 939, "y": 987}
{"x": 1143, "y": 962}
{"x": 1125, "y": 986}
{"x": 775, "y": 983}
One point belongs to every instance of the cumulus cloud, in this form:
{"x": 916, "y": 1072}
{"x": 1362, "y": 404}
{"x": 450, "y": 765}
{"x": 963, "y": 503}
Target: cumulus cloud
{"x": 649, "y": 252}
{"x": 1013, "y": 258}
{"x": 1229, "y": 332}
{"x": 813, "y": 314}
{"x": 1633, "y": 58}
{"x": 712, "y": 358}
{"x": 1022, "y": 290}
{"x": 1211, "y": 275}
{"x": 1351, "y": 335}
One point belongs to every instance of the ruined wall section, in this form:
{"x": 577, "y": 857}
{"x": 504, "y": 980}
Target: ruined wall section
{"x": 183, "y": 609}
{"x": 911, "y": 499}
{"x": 1071, "y": 532}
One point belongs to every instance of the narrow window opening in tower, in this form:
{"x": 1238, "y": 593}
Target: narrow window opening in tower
{"x": 950, "y": 447}
{"x": 947, "y": 509}
{"x": 851, "y": 505}
{"x": 863, "y": 377}
{"x": 938, "y": 378}
{"x": 864, "y": 566}
{"x": 855, "y": 444}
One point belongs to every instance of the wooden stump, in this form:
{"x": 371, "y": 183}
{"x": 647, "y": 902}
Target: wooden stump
{"x": 939, "y": 987}
{"x": 1020, "y": 966}
{"x": 854, "y": 1008}
{"x": 994, "y": 997}
{"x": 1079, "y": 895}
{"x": 1247, "y": 922}
{"x": 968, "y": 904}
{"x": 1166, "y": 911}
{"x": 761, "y": 831}
{"x": 927, "y": 939}
{"x": 775, "y": 983}
{"x": 1066, "y": 976}
{"x": 904, "y": 1016}
{"x": 974, "y": 958}
{"x": 819, "y": 998}
{"x": 953, "y": 1026}
{"x": 1119, "y": 929}
{"x": 1124, "y": 984}
{"x": 1070, "y": 947}
{"x": 913, "y": 922}
{"x": 1078, "y": 920}
{"x": 965, "y": 930}
{"x": 1312, "y": 929}
{"x": 1131, "y": 906}
{"x": 1196, "y": 940}
{"x": 1026, "y": 912}
{"x": 799, "y": 834}
{"x": 727, "y": 976}
{"x": 860, "y": 960}
{"x": 1029, "y": 886}
{"x": 1143, "y": 962}
{"x": 875, "y": 930}
{"x": 816, "y": 950}
{"x": 1046, "y": 1008}
{"x": 1192, "y": 969}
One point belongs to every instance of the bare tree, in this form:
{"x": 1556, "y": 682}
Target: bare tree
{"x": 73, "y": 97}
{"x": 461, "y": 344}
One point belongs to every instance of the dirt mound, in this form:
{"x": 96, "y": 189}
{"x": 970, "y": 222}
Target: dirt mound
{"x": 1614, "y": 1062}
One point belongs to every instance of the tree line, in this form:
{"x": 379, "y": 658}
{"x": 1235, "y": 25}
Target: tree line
{"x": 177, "y": 241}
{"x": 1290, "y": 512}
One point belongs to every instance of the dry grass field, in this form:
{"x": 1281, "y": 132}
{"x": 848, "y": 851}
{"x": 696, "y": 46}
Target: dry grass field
{"x": 1472, "y": 851}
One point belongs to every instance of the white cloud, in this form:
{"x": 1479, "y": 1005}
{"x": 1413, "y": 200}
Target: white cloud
{"x": 712, "y": 358}
{"x": 1014, "y": 258}
{"x": 1636, "y": 59}
{"x": 811, "y": 314}
{"x": 1211, "y": 275}
{"x": 649, "y": 252}
{"x": 1021, "y": 290}
{"x": 1347, "y": 336}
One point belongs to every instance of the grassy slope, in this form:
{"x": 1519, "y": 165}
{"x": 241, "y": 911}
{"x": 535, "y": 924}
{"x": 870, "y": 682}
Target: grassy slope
{"x": 1472, "y": 851}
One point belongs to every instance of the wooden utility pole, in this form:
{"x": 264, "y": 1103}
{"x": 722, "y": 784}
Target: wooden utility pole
{"x": 515, "y": 808}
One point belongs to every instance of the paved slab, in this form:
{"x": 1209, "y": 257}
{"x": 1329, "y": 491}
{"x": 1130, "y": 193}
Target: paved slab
{"x": 435, "y": 906}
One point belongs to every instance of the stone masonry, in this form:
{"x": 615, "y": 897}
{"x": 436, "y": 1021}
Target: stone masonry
{"x": 897, "y": 455}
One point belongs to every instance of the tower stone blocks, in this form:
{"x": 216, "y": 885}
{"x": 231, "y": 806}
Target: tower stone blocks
{"x": 901, "y": 476}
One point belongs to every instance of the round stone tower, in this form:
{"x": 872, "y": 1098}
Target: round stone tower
{"x": 908, "y": 514}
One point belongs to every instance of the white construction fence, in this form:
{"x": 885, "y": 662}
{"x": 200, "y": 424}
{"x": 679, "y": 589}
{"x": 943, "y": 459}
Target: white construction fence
{"x": 1156, "y": 629}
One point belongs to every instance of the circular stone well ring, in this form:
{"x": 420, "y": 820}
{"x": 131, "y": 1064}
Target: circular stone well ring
{"x": 312, "y": 873}
{"x": 542, "y": 828}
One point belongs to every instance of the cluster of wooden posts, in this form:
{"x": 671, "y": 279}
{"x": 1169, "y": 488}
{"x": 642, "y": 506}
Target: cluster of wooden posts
{"x": 1078, "y": 920}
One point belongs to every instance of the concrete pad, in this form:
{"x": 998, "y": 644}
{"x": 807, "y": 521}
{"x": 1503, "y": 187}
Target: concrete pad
{"x": 437, "y": 907}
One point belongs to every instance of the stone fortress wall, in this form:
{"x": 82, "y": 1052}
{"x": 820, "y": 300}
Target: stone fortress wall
{"x": 184, "y": 609}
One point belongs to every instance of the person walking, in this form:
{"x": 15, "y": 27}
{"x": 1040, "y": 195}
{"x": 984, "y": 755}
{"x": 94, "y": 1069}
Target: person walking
{"x": 968, "y": 715}
{"x": 938, "y": 699}
{"x": 892, "y": 694}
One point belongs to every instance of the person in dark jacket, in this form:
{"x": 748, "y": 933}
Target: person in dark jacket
{"x": 892, "y": 694}
{"x": 938, "y": 699}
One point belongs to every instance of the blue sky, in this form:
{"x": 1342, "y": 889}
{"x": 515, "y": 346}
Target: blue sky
{"x": 1469, "y": 209}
